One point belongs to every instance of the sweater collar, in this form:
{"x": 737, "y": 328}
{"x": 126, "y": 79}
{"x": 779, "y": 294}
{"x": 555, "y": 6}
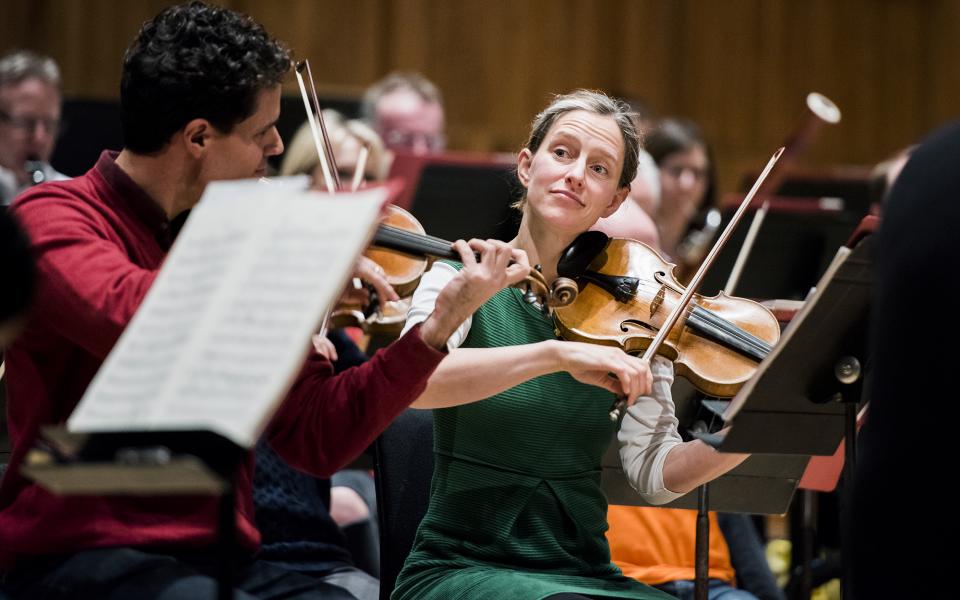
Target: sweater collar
{"x": 144, "y": 208}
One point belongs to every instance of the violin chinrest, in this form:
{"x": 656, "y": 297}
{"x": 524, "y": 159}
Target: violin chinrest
{"x": 577, "y": 257}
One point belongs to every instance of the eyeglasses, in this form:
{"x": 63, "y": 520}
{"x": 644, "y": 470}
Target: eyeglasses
{"x": 397, "y": 138}
{"x": 677, "y": 171}
{"x": 29, "y": 124}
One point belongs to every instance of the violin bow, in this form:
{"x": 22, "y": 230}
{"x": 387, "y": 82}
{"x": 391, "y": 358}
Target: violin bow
{"x": 694, "y": 284}
{"x": 747, "y": 246}
{"x": 361, "y": 167}
{"x": 320, "y": 139}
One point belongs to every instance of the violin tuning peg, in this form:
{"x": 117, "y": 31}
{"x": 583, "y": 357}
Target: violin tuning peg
{"x": 617, "y": 410}
{"x": 529, "y": 297}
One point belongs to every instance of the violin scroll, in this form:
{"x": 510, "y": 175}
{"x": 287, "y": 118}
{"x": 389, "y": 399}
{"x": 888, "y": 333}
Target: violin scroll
{"x": 563, "y": 292}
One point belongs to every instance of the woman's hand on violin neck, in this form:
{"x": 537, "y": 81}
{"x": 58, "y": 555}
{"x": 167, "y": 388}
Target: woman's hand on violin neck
{"x": 488, "y": 267}
{"x": 610, "y": 368}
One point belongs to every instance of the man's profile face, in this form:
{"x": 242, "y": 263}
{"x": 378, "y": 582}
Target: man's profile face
{"x": 408, "y": 123}
{"x": 29, "y": 122}
{"x": 243, "y": 152}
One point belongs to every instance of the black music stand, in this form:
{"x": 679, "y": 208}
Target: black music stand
{"x": 462, "y": 201}
{"x": 804, "y": 397}
{"x": 145, "y": 463}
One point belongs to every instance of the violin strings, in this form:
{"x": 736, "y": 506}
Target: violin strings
{"x": 412, "y": 237}
{"x": 427, "y": 244}
{"x": 746, "y": 336}
{"x": 724, "y": 337}
{"x": 415, "y": 237}
{"x": 715, "y": 325}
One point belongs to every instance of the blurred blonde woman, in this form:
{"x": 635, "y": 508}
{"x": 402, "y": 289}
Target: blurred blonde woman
{"x": 347, "y": 136}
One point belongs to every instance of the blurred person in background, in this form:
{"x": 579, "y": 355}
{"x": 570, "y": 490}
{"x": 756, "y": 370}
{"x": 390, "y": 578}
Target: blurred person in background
{"x": 29, "y": 121}
{"x": 687, "y": 184}
{"x": 406, "y": 110}
{"x": 347, "y": 136}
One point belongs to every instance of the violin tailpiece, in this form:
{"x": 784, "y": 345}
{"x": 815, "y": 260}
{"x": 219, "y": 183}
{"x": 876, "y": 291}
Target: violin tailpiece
{"x": 622, "y": 288}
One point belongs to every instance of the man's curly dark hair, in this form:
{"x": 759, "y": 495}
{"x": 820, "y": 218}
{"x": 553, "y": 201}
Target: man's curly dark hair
{"x": 195, "y": 61}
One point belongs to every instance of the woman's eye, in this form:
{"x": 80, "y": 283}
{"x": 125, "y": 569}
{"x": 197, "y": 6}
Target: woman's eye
{"x": 561, "y": 152}
{"x": 600, "y": 169}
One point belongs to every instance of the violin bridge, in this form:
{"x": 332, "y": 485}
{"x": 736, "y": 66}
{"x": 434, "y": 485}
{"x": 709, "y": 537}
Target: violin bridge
{"x": 657, "y": 301}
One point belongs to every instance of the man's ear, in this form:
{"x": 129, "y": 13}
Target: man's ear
{"x": 196, "y": 135}
{"x": 523, "y": 166}
{"x": 617, "y": 200}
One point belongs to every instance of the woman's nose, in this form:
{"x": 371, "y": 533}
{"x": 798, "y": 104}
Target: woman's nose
{"x": 575, "y": 173}
{"x": 688, "y": 178}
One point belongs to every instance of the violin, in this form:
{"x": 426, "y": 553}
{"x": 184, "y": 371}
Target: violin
{"x": 404, "y": 251}
{"x": 626, "y": 292}
{"x": 659, "y": 323}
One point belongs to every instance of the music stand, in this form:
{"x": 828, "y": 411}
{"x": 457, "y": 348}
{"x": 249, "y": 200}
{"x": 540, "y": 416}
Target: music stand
{"x": 806, "y": 390}
{"x": 804, "y": 397}
{"x": 791, "y": 251}
{"x": 140, "y": 463}
{"x": 762, "y": 484}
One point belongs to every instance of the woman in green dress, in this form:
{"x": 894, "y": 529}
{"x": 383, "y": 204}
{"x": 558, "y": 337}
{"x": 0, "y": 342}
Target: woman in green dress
{"x": 516, "y": 509}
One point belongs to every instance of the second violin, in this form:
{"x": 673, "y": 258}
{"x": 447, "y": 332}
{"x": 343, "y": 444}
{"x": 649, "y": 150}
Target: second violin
{"x": 404, "y": 252}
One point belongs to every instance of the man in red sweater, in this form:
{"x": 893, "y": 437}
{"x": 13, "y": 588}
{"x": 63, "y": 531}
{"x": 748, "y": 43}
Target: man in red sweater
{"x": 200, "y": 97}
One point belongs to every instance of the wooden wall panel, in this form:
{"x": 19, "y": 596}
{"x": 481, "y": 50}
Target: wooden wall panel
{"x": 741, "y": 68}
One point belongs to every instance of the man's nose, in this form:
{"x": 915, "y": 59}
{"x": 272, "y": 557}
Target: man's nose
{"x": 275, "y": 144}
{"x": 419, "y": 145}
{"x": 41, "y": 131}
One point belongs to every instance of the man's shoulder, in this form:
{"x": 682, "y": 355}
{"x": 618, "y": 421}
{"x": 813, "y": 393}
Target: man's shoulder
{"x": 40, "y": 204}
{"x": 62, "y": 190}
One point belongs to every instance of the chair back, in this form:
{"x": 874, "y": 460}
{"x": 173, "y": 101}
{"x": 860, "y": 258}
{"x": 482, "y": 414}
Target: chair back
{"x": 403, "y": 456}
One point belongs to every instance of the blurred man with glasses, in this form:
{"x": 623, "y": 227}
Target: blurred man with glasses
{"x": 406, "y": 109}
{"x": 29, "y": 121}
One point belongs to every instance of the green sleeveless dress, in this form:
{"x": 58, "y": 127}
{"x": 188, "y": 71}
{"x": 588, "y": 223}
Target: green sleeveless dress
{"x": 516, "y": 510}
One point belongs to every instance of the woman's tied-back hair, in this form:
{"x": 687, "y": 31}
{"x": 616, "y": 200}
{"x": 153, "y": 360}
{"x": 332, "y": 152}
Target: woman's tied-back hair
{"x": 195, "y": 61}
{"x": 597, "y": 103}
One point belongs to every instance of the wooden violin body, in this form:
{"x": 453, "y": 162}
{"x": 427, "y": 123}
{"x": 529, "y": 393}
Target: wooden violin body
{"x": 402, "y": 271}
{"x": 627, "y": 291}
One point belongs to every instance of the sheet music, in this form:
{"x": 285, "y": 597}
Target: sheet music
{"x": 226, "y": 326}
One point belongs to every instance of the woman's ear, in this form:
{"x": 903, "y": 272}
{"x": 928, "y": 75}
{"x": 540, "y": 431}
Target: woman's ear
{"x": 523, "y": 166}
{"x": 618, "y": 198}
